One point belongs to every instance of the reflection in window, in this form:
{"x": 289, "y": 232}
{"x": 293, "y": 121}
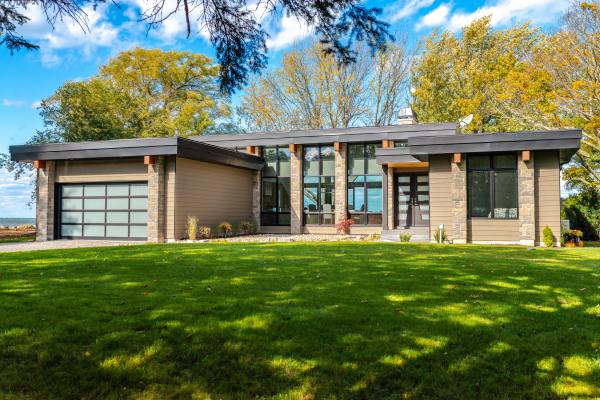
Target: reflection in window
{"x": 275, "y": 199}
{"x": 365, "y": 201}
{"x": 318, "y": 168}
{"x": 492, "y": 186}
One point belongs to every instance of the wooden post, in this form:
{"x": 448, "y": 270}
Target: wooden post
{"x": 526, "y": 155}
{"x": 150, "y": 160}
{"x": 387, "y": 144}
{"x": 337, "y": 146}
{"x": 293, "y": 148}
{"x": 250, "y": 149}
{"x": 457, "y": 158}
{"x": 39, "y": 164}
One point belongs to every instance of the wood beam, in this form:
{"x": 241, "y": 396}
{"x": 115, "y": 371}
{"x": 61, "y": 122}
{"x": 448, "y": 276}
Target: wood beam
{"x": 526, "y": 155}
{"x": 293, "y": 148}
{"x": 39, "y": 164}
{"x": 251, "y": 150}
{"x": 337, "y": 146}
{"x": 149, "y": 160}
{"x": 457, "y": 158}
{"x": 387, "y": 144}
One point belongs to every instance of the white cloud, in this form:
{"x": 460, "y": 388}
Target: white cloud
{"x": 36, "y": 104}
{"x": 504, "y": 13}
{"x": 407, "y": 9}
{"x": 13, "y": 103}
{"x": 15, "y": 195}
{"x": 284, "y": 31}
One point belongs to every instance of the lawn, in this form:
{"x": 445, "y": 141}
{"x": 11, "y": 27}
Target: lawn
{"x": 21, "y": 239}
{"x": 300, "y": 321}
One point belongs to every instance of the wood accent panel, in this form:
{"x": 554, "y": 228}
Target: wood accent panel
{"x": 386, "y": 144}
{"x": 170, "y": 176}
{"x": 149, "y": 160}
{"x": 337, "y": 146}
{"x": 293, "y": 148}
{"x": 104, "y": 170}
{"x": 547, "y": 194}
{"x": 213, "y": 193}
{"x": 415, "y": 166}
{"x": 251, "y": 149}
{"x": 526, "y": 155}
{"x": 39, "y": 164}
{"x": 457, "y": 158}
{"x": 493, "y": 230}
{"x": 440, "y": 194}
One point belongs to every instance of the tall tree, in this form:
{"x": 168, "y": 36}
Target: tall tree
{"x": 557, "y": 85}
{"x": 455, "y": 76}
{"x": 233, "y": 27}
{"x": 311, "y": 90}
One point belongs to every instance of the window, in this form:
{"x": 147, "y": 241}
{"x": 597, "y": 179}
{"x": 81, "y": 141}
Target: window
{"x": 492, "y": 186}
{"x": 365, "y": 202}
{"x": 400, "y": 144}
{"x": 318, "y": 169}
{"x": 276, "y": 187}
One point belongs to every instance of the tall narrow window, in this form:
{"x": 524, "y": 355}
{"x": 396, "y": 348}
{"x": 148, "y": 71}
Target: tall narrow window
{"x": 365, "y": 202}
{"x": 276, "y": 187}
{"x": 492, "y": 186}
{"x": 319, "y": 185}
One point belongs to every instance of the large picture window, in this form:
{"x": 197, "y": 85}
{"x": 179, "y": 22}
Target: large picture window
{"x": 276, "y": 187}
{"x": 365, "y": 202}
{"x": 318, "y": 170}
{"x": 492, "y": 186}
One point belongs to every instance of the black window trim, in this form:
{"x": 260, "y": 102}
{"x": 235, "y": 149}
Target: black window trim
{"x": 276, "y": 177}
{"x": 491, "y": 171}
{"x": 319, "y": 213}
{"x": 59, "y": 211}
{"x": 365, "y": 175}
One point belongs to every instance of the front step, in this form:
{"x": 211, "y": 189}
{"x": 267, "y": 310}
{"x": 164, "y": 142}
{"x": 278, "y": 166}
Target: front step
{"x": 420, "y": 234}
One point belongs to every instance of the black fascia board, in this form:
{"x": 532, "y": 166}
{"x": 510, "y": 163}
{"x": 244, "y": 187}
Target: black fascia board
{"x": 497, "y": 142}
{"x": 172, "y": 146}
{"x": 398, "y": 155}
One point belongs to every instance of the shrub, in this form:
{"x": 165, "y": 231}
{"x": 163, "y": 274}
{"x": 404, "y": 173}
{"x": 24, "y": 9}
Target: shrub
{"x": 204, "y": 232}
{"x": 255, "y": 226}
{"x": 405, "y": 237}
{"x": 344, "y": 226}
{"x": 235, "y": 227}
{"x": 214, "y": 230}
{"x": 548, "y": 241}
{"x": 583, "y": 211}
{"x": 437, "y": 235}
{"x": 246, "y": 227}
{"x": 562, "y": 235}
{"x": 192, "y": 227}
{"x": 224, "y": 227}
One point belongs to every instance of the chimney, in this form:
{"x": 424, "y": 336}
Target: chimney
{"x": 406, "y": 116}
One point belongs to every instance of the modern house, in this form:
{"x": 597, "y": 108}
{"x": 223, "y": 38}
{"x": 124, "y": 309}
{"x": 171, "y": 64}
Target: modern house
{"x": 484, "y": 188}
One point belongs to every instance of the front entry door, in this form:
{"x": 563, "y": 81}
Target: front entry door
{"x": 412, "y": 194}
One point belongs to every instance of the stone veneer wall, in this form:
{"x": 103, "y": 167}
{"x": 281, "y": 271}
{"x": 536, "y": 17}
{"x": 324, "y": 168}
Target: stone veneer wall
{"x": 459, "y": 200}
{"x": 44, "y": 209}
{"x": 296, "y": 191}
{"x": 526, "y": 187}
{"x": 390, "y": 198}
{"x": 256, "y": 190}
{"x": 156, "y": 201}
{"x": 341, "y": 183}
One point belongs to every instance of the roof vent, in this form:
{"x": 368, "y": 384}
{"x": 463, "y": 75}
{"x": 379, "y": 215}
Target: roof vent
{"x": 407, "y": 116}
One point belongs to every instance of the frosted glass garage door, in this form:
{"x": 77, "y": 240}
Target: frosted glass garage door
{"x": 97, "y": 211}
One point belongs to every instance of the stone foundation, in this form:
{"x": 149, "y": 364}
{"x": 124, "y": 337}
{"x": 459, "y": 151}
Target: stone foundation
{"x": 526, "y": 187}
{"x": 156, "y": 201}
{"x": 44, "y": 208}
{"x": 459, "y": 201}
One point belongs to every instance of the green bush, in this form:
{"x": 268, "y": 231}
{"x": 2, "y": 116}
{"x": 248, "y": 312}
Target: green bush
{"x": 204, "y": 232}
{"x": 235, "y": 227}
{"x": 255, "y": 226}
{"x": 224, "y": 227}
{"x": 583, "y": 212}
{"x": 192, "y": 227}
{"x": 562, "y": 235}
{"x": 214, "y": 230}
{"x": 405, "y": 237}
{"x": 437, "y": 235}
{"x": 548, "y": 240}
{"x": 246, "y": 227}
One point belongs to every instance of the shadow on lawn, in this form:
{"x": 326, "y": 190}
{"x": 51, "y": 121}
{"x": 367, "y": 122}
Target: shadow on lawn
{"x": 442, "y": 344}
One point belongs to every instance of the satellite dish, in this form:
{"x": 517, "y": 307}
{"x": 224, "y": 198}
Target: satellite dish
{"x": 466, "y": 121}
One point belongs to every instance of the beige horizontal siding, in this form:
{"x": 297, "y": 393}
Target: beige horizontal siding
{"x": 102, "y": 170}
{"x": 280, "y": 230}
{"x": 213, "y": 193}
{"x": 493, "y": 230}
{"x": 170, "y": 175}
{"x": 547, "y": 194}
{"x": 440, "y": 194}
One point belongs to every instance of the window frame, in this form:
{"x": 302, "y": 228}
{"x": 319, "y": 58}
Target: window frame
{"x": 277, "y": 180}
{"x": 364, "y": 175}
{"x": 319, "y": 176}
{"x": 491, "y": 170}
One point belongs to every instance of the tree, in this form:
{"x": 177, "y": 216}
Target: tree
{"x": 456, "y": 76}
{"x": 557, "y": 86}
{"x": 233, "y": 27}
{"x": 583, "y": 211}
{"x": 311, "y": 90}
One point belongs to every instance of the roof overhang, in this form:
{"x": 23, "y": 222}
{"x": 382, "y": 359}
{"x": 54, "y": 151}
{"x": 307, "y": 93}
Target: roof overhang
{"x": 170, "y": 146}
{"x": 323, "y": 136}
{"x": 399, "y": 155}
{"x": 566, "y": 141}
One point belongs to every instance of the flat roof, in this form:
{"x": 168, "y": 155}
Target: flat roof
{"x": 169, "y": 146}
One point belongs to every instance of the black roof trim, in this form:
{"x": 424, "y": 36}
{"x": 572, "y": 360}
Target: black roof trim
{"x": 320, "y": 136}
{"x": 171, "y": 146}
{"x": 398, "y": 155}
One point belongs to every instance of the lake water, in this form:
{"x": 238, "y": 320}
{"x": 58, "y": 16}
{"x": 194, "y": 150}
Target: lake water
{"x": 17, "y": 221}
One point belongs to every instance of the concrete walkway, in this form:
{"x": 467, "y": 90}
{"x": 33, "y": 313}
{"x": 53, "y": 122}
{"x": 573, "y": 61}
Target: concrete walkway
{"x": 60, "y": 244}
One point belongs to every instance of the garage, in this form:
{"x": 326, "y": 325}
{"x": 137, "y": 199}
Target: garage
{"x": 103, "y": 211}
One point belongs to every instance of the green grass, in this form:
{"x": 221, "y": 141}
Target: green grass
{"x": 22, "y": 239}
{"x": 246, "y": 321}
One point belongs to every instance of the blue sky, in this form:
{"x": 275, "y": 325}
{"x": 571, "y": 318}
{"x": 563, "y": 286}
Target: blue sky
{"x": 67, "y": 53}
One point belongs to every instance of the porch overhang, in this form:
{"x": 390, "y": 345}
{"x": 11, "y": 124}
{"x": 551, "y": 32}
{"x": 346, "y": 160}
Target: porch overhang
{"x": 400, "y": 157}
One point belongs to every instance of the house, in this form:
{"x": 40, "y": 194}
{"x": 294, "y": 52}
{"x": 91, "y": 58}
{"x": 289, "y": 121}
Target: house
{"x": 412, "y": 177}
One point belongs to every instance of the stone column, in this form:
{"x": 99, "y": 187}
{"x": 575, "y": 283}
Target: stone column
{"x": 44, "y": 208}
{"x": 526, "y": 200}
{"x": 156, "y": 201}
{"x": 459, "y": 201}
{"x": 341, "y": 183}
{"x": 390, "y": 198}
{"x": 296, "y": 191}
{"x": 256, "y": 190}
{"x": 384, "y": 189}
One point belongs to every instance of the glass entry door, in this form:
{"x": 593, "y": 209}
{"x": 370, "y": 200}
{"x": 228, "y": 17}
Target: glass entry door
{"x": 412, "y": 194}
